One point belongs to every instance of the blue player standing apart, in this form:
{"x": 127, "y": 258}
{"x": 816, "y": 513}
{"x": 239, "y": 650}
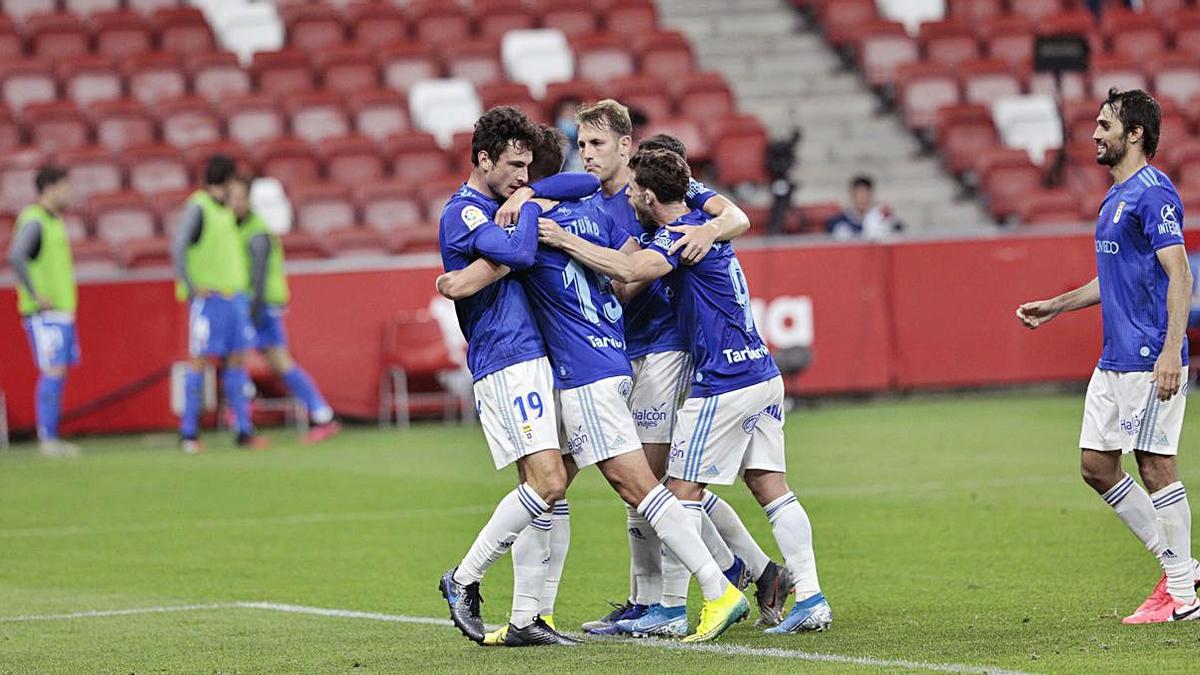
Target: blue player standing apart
{"x": 1136, "y": 398}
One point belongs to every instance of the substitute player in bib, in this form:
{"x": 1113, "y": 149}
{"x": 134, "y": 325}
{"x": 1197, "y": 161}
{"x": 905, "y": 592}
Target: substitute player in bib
{"x": 269, "y": 295}
{"x": 662, "y": 367}
{"x": 213, "y": 276}
{"x": 40, "y": 255}
{"x": 732, "y": 421}
{"x": 1136, "y": 398}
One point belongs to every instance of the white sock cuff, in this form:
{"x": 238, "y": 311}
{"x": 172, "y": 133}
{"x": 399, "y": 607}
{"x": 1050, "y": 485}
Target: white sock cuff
{"x": 561, "y": 509}
{"x": 693, "y": 506}
{"x": 710, "y": 501}
{"x": 1118, "y": 491}
{"x": 1169, "y": 496}
{"x": 657, "y": 501}
{"x": 531, "y": 500}
{"x": 777, "y": 507}
{"x": 543, "y": 523}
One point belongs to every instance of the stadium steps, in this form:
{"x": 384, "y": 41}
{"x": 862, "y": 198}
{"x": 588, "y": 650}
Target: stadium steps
{"x": 784, "y": 72}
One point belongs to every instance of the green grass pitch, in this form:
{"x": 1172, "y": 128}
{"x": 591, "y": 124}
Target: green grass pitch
{"x": 952, "y": 533}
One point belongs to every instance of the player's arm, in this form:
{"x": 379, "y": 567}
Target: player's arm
{"x": 1038, "y": 312}
{"x": 1169, "y": 365}
{"x": 468, "y": 281}
{"x": 559, "y": 187}
{"x": 516, "y": 249}
{"x": 188, "y": 233}
{"x": 640, "y": 265}
{"x": 260, "y": 255}
{"x": 25, "y": 247}
{"x": 729, "y": 222}
{"x": 628, "y": 291}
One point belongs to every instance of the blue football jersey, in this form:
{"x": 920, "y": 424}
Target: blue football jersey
{"x": 1137, "y": 218}
{"x": 580, "y": 318}
{"x": 650, "y": 325}
{"x": 497, "y": 321}
{"x": 712, "y": 305}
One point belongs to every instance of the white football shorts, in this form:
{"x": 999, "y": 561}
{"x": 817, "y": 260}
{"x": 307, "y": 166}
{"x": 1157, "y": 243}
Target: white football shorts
{"x": 661, "y": 382}
{"x": 516, "y": 410}
{"x": 718, "y": 437}
{"x": 1122, "y": 412}
{"x": 596, "y": 424}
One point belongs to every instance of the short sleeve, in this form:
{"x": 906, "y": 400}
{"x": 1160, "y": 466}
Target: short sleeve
{"x": 663, "y": 239}
{"x": 697, "y": 195}
{"x": 1161, "y": 215}
{"x": 460, "y": 221}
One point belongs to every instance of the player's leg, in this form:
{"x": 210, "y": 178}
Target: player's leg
{"x": 271, "y": 338}
{"x": 235, "y": 381}
{"x": 560, "y": 543}
{"x": 201, "y": 344}
{"x": 52, "y": 352}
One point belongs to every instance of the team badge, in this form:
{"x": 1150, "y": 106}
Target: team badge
{"x": 1120, "y": 210}
{"x": 663, "y": 239}
{"x": 473, "y": 217}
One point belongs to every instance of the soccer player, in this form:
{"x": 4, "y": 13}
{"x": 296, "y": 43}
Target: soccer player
{"x": 269, "y": 295}
{"x": 213, "y": 276}
{"x": 1135, "y": 400}
{"x": 662, "y": 367}
{"x": 732, "y": 420}
{"x": 40, "y": 255}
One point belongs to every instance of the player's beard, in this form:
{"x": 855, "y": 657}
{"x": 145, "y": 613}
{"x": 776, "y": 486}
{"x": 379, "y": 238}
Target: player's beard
{"x": 1113, "y": 154}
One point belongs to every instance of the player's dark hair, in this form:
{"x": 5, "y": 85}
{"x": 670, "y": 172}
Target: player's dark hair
{"x": 606, "y": 114}
{"x": 1136, "y": 108}
{"x": 48, "y": 176}
{"x": 662, "y": 172}
{"x": 862, "y": 181}
{"x": 549, "y": 152}
{"x": 498, "y": 128}
{"x": 220, "y": 168}
{"x": 664, "y": 142}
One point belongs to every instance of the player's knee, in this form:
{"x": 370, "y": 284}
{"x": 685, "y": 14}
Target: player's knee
{"x": 686, "y": 490}
{"x": 1100, "y": 476}
{"x": 1157, "y": 471}
{"x": 57, "y": 372}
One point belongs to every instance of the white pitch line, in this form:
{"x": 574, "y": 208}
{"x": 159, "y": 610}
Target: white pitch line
{"x": 708, "y": 648}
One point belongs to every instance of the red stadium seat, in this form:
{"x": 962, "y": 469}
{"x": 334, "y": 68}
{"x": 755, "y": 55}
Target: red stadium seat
{"x": 601, "y": 57}
{"x": 120, "y": 217}
{"x": 347, "y": 70}
{"x": 316, "y": 116}
{"x": 572, "y": 17}
{"x": 169, "y": 207}
{"x": 352, "y": 160}
{"x": 416, "y": 157}
{"x": 17, "y": 172}
{"x": 1076, "y": 22}
{"x": 323, "y": 207}
{"x": 92, "y": 170}
{"x": 183, "y": 30}
{"x": 1008, "y": 177}
{"x": 218, "y": 75}
{"x": 282, "y": 72}
{"x": 631, "y": 17}
{"x": 302, "y": 246}
{"x": 10, "y": 133}
{"x": 312, "y": 27}
{"x": 973, "y": 11}
{"x": 433, "y": 194}
{"x": 705, "y": 93}
{"x": 512, "y": 94}
{"x": 12, "y": 43}
{"x": 1185, "y": 28}
{"x": 963, "y": 132}
{"x": 253, "y": 119}
{"x": 414, "y": 351}
{"x": 122, "y": 34}
{"x": 155, "y": 168}
{"x": 151, "y": 6}
{"x": 476, "y": 61}
{"x": 1116, "y": 72}
{"x": 649, "y": 95}
{"x": 1176, "y": 78}
{"x": 376, "y": 24}
{"x": 688, "y": 130}
{"x": 85, "y": 7}
{"x": 197, "y": 156}
{"x": 1036, "y": 9}
{"x": 1134, "y": 35}
{"x": 840, "y": 20}
{"x": 948, "y": 42}
{"x": 27, "y": 81}
{"x": 665, "y": 54}
{"x": 121, "y": 124}
{"x": 56, "y": 126}
{"x": 188, "y": 121}
{"x": 923, "y": 89}
{"x": 459, "y": 153}
{"x": 436, "y": 22}
{"x": 155, "y": 77}
{"x": 575, "y": 90}
{"x": 1049, "y": 207}
{"x": 389, "y": 207}
{"x": 987, "y": 80}
{"x": 355, "y": 241}
{"x": 739, "y": 150}
{"x": 89, "y": 79}
{"x": 378, "y": 113}
{"x": 404, "y": 65}
{"x": 147, "y": 253}
{"x": 495, "y": 18}
{"x": 1008, "y": 38}
{"x": 57, "y": 36}
{"x": 1173, "y": 128}
{"x": 884, "y": 46}
{"x": 290, "y": 160}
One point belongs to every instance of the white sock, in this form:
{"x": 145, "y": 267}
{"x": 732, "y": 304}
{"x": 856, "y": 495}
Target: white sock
{"x": 735, "y": 533}
{"x": 512, "y": 515}
{"x": 1134, "y": 508}
{"x": 680, "y": 532}
{"x": 560, "y": 541}
{"x": 793, "y": 533}
{"x": 645, "y": 559}
{"x": 1175, "y": 514}
{"x": 531, "y": 557}
{"x": 712, "y": 539}
{"x": 675, "y": 577}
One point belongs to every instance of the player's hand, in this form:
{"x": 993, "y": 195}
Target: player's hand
{"x": 510, "y": 211}
{"x": 1168, "y": 372}
{"x": 696, "y": 242}
{"x": 1034, "y": 314}
{"x": 551, "y": 233}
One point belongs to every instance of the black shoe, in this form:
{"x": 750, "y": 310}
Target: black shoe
{"x": 536, "y": 634}
{"x": 252, "y": 442}
{"x": 464, "y": 604}
{"x": 771, "y": 590}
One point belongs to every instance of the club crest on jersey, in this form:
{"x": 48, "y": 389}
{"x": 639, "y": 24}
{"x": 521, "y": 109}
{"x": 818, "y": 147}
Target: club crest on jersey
{"x": 472, "y": 217}
{"x": 662, "y": 239}
{"x": 1120, "y": 210}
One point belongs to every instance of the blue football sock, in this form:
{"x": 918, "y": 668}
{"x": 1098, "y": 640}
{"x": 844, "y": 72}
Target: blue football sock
{"x": 300, "y": 384}
{"x": 236, "y": 383}
{"x": 193, "y": 400}
{"x": 49, "y": 405}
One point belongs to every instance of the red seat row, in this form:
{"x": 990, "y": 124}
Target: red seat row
{"x": 117, "y": 34}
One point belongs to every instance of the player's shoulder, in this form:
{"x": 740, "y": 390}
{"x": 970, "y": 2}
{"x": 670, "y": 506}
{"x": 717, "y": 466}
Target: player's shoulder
{"x": 1154, "y": 184}
{"x": 467, "y": 208}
